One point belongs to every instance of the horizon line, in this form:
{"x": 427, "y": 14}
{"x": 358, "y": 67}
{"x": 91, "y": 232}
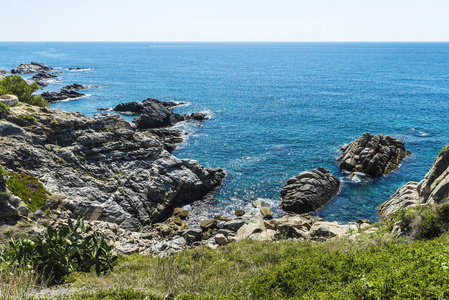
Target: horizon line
{"x": 124, "y": 41}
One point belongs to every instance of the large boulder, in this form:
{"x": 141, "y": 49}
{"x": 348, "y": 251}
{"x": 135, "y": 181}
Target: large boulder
{"x": 434, "y": 188}
{"x": 30, "y": 68}
{"x": 374, "y": 155}
{"x": 156, "y": 115}
{"x": 10, "y": 100}
{"x": 309, "y": 191}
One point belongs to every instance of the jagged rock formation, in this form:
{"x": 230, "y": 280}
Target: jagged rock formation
{"x": 30, "y": 68}
{"x": 122, "y": 175}
{"x": 434, "y": 188}
{"x": 309, "y": 191}
{"x": 374, "y": 155}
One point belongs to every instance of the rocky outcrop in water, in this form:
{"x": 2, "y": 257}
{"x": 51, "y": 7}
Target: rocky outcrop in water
{"x": 374, "y": 155}
{"x": 102, "y": 164}
{"x": 309, "y": 191}
{"x": 74, "y": 87}
{"x": 30, "y": 68}
{"x": 41, "y": 76}
{"x": 62, "y": 95}
{"x": 434, "y": 188}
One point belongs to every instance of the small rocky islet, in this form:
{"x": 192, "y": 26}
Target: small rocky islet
{"x": 124, "y": 175}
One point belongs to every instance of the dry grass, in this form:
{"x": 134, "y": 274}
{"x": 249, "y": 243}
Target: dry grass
{"x": 17, "y": 285}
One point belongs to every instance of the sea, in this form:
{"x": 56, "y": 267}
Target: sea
{"x": 276, "y": 109}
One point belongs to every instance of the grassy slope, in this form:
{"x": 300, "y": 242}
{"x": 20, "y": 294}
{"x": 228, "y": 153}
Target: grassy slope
{"x": 373, "y": 266}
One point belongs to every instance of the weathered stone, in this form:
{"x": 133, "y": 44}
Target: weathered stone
{"x": 309, "y": 191}
{"x": 233, "y": 225}
{"x": 221, "y": 240}
{"x": 239, "y": 212}
{"x": 180, "y": 212}
{"x": 10, "y": 100}
{"x": 208, "y": 224}
{"x": 266, "y": 212}
{"x": 286, "y": 231}
{"x": 374, "y": 155}
{"x": 328, "y": 230}
{"x": 193, "y": 235}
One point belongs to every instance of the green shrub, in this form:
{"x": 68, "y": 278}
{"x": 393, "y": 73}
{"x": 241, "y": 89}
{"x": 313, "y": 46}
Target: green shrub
{"x": 433, "y": 222}
{"x": 72, "y": 248}
{"x": 4, "y": 109}
{"x": 17, "y": 86}
{"x": 3, "y": 175}
{"x": 28, "y": 118}
{"x": 29, "y": 189}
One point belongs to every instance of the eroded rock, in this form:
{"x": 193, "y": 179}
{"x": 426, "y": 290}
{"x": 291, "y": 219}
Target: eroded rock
{"x": 434, "y": 188}
{"x": 374, "y": 155}
{"x": 309, "y": 191}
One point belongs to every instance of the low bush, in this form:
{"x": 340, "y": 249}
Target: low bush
{"x": 4, "y": 109}
{"x": 71, "y": 248}
{"x": 29, "y": 189}
{"x": 17, "y": 86}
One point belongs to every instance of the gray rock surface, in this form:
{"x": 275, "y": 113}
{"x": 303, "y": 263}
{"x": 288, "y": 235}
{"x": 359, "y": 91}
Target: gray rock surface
{"x": 434, "y": 188}
{"x": 10, "y": 100}
{"x": 374, "y": 155}
{"x": 8, "y": 128}
{"x": 30, "y": 68}
{"x": 104, "y": 165}
{"x": 62, "y": 95}
{"x": 309, "y": 191}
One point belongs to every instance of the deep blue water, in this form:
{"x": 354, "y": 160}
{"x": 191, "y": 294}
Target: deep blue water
{"x": 277, "y": 108}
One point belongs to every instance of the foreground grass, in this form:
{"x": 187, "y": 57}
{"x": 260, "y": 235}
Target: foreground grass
{"x": 371, "y": 267}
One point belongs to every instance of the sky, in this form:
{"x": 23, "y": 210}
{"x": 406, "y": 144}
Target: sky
{"x": 230, "y": 20}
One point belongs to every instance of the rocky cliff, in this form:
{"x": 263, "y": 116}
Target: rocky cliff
{"x": 104, "y": 164}
{"x": 434, "y": 188}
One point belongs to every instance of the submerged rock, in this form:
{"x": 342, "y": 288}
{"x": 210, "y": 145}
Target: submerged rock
{"x": 29, "y": 68}
{"x": 374, "y": 155}
{"x": 309, "y": 191}
{"x": 434, "y": 188}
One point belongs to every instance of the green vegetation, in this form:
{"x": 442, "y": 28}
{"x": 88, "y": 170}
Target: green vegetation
{"x": 374, "y": 266}
{"x": 29, "y": 189}
{"x": 441, "y": 151}
{"x": 71, "y": 248}
{"x": 28, "y": 118}
{"x": 425, "y": 222}
{"x": 17, "y": 86}
{"x": 4, "y": 109}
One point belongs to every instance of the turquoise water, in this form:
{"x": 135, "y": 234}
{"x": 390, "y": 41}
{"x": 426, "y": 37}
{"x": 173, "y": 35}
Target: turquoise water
{"x": 277, "y": 108}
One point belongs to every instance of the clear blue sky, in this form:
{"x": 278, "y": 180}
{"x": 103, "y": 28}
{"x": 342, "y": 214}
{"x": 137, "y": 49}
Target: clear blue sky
{"x": 230, "y": 20}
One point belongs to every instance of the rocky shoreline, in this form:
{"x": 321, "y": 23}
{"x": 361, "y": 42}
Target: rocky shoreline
{"x": 123, "y": 178}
